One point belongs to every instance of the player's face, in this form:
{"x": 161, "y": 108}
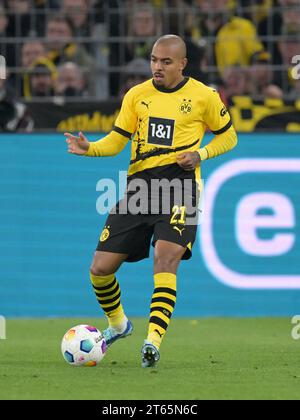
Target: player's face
{"x": 167, "y": 65}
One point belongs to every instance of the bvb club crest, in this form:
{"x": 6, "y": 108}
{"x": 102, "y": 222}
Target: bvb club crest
{"x": 105, "y": 234}
{"x": 186, "y": 106}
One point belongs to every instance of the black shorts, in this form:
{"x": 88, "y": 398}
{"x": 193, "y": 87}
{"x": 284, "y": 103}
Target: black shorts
{"x": 132, "y": 233}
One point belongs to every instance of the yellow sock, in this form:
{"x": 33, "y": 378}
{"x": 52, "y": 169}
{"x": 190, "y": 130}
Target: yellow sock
{"x": 108, "y": 294}
{"x": 162, "y": 306}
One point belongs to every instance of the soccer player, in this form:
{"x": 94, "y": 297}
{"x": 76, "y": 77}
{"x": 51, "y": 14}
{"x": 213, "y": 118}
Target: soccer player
{"x": 165, "y": 118}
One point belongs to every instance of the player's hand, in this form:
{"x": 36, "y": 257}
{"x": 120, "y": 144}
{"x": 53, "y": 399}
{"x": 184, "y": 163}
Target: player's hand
{"x": 77, "y": 145}
{"x": 189, "y": 160}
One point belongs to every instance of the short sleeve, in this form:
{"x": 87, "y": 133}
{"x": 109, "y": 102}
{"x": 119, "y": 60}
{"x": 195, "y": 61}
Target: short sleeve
{"x": 216, "y": 116}
{"x": 126, "y": 121}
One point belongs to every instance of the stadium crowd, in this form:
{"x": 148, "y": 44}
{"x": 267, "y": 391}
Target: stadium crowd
{"x": 98, "y": 49}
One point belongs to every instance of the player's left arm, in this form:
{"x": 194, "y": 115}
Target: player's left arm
{"x": 220, "y": 144}
{"x": 218, "y": 120}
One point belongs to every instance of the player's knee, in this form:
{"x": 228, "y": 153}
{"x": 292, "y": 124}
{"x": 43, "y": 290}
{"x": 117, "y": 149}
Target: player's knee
{"x": 100, "y": 269}
{"x": 166, "y": 263}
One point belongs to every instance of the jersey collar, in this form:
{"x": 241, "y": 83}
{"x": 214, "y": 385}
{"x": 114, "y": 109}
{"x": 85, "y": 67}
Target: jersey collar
{"x": 174, "y": 89}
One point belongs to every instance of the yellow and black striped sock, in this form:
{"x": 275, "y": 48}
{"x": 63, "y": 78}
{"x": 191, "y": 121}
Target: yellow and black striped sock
{"x": 108, "y": 294}
{"x": 162, "y": 306}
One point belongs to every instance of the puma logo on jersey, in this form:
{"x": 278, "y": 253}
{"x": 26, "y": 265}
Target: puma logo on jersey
{"x": 179, "y": 230}
{"x": 146, "y": 105}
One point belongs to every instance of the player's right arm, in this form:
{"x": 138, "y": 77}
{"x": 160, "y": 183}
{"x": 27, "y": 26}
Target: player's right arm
{"x": 115, "y": 141}
{"x": 110, "y": 145}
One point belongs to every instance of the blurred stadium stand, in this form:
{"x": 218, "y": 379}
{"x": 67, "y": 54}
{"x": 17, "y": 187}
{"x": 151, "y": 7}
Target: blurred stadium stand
{"x": 89, "y": 52}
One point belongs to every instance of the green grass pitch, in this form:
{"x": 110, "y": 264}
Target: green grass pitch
{"x": 200, "y": 359}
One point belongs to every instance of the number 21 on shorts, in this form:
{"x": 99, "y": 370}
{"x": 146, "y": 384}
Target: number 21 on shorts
{"x": 178, "y": 215}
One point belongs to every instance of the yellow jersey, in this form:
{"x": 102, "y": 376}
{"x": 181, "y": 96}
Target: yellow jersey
{"x": 163, "y": 123}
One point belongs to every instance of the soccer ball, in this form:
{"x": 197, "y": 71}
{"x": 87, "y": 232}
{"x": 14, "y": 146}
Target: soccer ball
{"x": 83, "y": 345}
